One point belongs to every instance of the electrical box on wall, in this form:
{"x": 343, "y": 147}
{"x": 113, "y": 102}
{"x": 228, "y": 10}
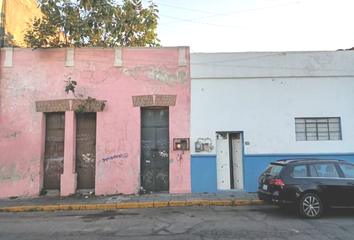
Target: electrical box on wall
{"x": 198, "y": 147}
{"x": 204, "y": 145}
{"x": 181, "y": 144}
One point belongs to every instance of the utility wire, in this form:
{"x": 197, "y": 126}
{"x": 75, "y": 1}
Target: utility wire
{"x": 216, "y": 25}
{"x": 230, "y": 13}
{"x": 193, "y": 30}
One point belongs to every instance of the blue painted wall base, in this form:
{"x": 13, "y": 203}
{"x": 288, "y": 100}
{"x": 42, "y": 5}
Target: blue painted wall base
{"x": 203, "y": 173}
{"x": 203, "y": 169}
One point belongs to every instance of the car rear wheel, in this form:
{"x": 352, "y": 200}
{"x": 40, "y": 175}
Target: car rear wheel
{"x": 310, "y": 206}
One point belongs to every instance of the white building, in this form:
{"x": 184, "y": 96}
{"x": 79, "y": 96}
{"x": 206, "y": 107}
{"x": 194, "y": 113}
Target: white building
{"x": 272, "y": 105}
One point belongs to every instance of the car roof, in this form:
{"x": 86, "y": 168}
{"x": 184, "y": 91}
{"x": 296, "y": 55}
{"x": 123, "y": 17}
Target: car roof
{"x": 305, "y": 160}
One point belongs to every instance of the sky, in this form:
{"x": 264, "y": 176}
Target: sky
{"x": 256, "y": 25}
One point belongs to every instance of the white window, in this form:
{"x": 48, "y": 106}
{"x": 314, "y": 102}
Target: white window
{"x": 317, "y": 129}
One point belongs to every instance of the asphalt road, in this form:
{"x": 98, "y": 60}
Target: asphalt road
{"x": 242, "y": 222}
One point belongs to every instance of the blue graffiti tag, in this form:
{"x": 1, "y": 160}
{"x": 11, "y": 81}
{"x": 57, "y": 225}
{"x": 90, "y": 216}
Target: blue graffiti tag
{"x": 125, "y": 155}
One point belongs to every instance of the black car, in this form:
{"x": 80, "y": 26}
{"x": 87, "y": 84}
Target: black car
{"x": 309, "y": 184}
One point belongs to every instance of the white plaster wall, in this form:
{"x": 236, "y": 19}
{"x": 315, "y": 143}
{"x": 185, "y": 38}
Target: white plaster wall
{"x": 226, "y": 98}
{"x": 272, "y": 64}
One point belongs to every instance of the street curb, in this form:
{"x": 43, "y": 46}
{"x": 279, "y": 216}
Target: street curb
{"x": 131, "y": 205}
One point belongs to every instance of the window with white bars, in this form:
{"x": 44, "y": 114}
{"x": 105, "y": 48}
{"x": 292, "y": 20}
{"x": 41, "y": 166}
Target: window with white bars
{"x": 317, "y": 129}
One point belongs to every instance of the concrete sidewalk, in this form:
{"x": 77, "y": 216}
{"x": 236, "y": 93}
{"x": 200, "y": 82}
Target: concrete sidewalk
{"x": 91, "y": 202}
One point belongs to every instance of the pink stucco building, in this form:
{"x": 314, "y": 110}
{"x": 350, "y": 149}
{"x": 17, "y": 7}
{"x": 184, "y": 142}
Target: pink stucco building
{"x": 139, "y": 141}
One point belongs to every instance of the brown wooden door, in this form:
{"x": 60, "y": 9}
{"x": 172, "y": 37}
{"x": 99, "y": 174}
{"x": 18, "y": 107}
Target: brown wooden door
{"x": 54, "y": 150}
{"x": 86, "y": 150}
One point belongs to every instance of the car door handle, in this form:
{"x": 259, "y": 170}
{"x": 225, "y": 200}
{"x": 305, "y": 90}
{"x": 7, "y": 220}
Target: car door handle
{"x": 320, "y": 183}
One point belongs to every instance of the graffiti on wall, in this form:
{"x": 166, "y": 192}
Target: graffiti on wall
{"x": 179, "y": 157}
{"x": 164, "y": 177}
{"x": 88, "y": 158}
{"x": 84, "y": 137}
{"x": 162, "y": 142}
{"x": 120, "y": 156}
{"x": 55, "y": 139}
{"x": 54, "y": 167}
{"x": 147, "y": 144}
{"x": 147, "y": 176}
{"x": 163, "y": 154}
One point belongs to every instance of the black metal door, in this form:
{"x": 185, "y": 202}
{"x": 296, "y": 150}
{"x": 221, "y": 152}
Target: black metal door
{"x": 155, "y": 149}
{"x": 54, "y": 150}
{"x": 85, "y": 150}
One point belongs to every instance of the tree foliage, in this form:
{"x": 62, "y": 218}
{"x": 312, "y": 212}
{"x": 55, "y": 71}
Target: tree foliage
{"x": 93, "y": 23}
{"x": 84, "y": 103}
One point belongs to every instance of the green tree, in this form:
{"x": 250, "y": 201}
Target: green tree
{"x": 94, "y": 23}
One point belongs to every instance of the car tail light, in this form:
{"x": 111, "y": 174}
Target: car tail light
{"x": 277, "y": 182}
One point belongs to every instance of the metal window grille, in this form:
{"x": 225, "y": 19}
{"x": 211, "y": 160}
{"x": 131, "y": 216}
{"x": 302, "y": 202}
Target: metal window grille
{"x": 317, "y": 129}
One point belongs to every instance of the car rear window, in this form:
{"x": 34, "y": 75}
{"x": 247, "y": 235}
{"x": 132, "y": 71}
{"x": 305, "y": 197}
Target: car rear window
{"x": 326, "y": 170}
{"x": 273, "y": 170}
{"x": 347, "y": 169}
{"x": 300, "y": 171}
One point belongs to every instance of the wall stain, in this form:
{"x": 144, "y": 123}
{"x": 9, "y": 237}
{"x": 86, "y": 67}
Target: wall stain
{"x": 10, "y": 173}
{"x": 161, "y": 75}
{"x": 100, "y": 172}
{"x": 12, "y": 134}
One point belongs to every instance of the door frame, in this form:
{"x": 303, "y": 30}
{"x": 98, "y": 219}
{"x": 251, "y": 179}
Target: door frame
{"x": 169, "y": 143}
{"x": 230, "y": 156}
{"x": 77, "y": 116}
{"x": 44, "y": 150}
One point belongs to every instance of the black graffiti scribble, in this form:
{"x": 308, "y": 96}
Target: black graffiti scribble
{"x": 125, "y": 155}
{"x": 179, "y": 157}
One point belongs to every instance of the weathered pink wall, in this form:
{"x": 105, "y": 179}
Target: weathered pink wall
{"x": 41, "y": 74}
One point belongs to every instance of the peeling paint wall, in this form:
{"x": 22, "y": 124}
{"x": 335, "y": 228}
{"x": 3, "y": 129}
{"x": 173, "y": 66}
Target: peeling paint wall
{"x": 41, "y": 75}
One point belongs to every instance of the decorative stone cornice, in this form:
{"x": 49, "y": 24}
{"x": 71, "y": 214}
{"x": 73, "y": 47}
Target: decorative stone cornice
{"x": 154, "y": 100}
{"x": 118, "y": 62}
{"x": 69, "y": 105}
{"x": 70, "y": 57}
{"x": 8, "y": 57}
{"x": 182, "y": 61}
